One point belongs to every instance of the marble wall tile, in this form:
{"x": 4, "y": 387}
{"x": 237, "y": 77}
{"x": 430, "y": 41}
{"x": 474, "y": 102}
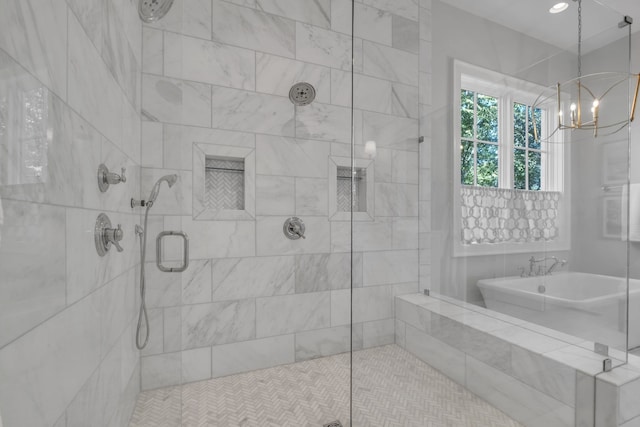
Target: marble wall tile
{"x": 585, "y": 393}
{"x": 372, "y": 236}
{"x": 90, "y": 14}
{"x": 520, "y": 401}
{"x": 341, "y": 307}
{"x": 391, "y": 131}
{"x": 231, "y": 238}
{"x": 388, "y": 267}
{"x": 291, "y": 157}
{"x": 196, "y": 282}
{"x": 404, "y": 100}
{"x": 322, "y": 272}
{"x": 175, "y": 200}
{"x": 172, "y": 323}
{"x": 404, "y": 167}
{"x": 116, "y": 306}
{"x": 151, "y": 144}
{"x": 312, "y": 196}
{"x": 253, "y": 29}
{"x": 237, "y": 278}
{"x": 275, "y": 195}
{"x": 160, "y": 370}
{"x": 324, "y": 122}
{"x": 234, "y": 109}
{"x": 251, "y": 355}
{"x": 196, "y": 364}
{"x": 176, "y": 101}
{"x": 155, "y": 345}
{"x": 406, "y": 34}
{"x": 372, "y": 303}
{"x": 286, "y": 314}
{"x": 322, "y": 342}
{"x": 389, "y": 63}
{"x": 35, "y": 34}
{"x": 152, "y": 51}
{"x": 71, "y": 341}
{"x": 33, "y": 275}
{"x": 189, "y": 17}
{"x": 378, "y": 332}
{"x": 413, "y": 315}
{"x": 405, "y": 233}
{"x": 396, "y": 199}
{"x": 606, "y": 404}
{"x": 179, "y": 140}
{"x": 444, "y": 358}
{"x": 371, "y": 24}
{"x": 425, "y": 24}
{"x": 276, "y": 75}
{"x": 218, "y": 323}
{"x": 270, "y": 240}
{"x": 628, "y": 401}
{"x": 400, "y": 334}
{"x": 323, "y": 47}
{"x": 406, "y": 8}
{"x": 314, "y": 12}
{"x": 163, "y": 289}
{"x": 205, "y": 61}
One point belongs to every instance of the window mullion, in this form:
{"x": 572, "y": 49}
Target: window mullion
{"x": 506, "y": 141}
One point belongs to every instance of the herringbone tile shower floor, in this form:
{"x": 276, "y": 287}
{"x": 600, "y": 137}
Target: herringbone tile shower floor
{"x": 391, "y": 388}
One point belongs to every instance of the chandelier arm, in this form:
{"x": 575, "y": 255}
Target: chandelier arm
{"x": 635, "y": 99}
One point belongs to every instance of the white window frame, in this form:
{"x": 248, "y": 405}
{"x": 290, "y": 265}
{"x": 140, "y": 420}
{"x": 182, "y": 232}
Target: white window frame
{"x": 555, "y": 168}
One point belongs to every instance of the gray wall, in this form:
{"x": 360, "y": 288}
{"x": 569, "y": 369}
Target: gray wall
{"x": 69, "y": 100}
{"x": 214, "y": 79}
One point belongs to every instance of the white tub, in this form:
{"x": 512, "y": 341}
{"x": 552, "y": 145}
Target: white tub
{"x": 589, "y": 306}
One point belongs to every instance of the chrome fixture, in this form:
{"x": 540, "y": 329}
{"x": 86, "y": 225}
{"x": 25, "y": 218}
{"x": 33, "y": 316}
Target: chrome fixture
{"x": 153, "y": 10}
{"x": 294, "y": 228}
{"x": 143, "y": 318}
{"x": 540, "y": 271}
{"x": 583, "y": 97}
{"x": 302, "y": 94}
{"x": 105, "y": 235}
{"x": 557, "y": 263}
{"x": 106, "y": 178}
{"x": 185, "y": 252}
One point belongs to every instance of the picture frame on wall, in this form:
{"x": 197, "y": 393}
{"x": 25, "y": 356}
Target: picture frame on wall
{"x": 615, "y": 164}
{"x": 612, "y": 226}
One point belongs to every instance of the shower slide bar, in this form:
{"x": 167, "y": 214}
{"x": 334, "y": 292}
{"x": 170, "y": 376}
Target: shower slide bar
{"x": 185, "y": 252}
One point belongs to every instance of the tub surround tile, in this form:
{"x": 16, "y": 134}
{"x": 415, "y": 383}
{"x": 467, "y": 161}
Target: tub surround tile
{"x": 218, "y": 323}
{"x": 208, "y": 62}
{"x": 253, "y": 29}
{"x": 176, "y": 101}
{"x": 252, "y": 355}
{"x": 286, "y": 314}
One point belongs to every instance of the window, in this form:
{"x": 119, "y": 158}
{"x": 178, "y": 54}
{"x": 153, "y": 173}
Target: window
{"x": 509, "y": 175}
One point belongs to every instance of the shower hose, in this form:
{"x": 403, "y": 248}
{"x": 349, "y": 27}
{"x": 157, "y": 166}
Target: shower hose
{"x": 143, "y": 318}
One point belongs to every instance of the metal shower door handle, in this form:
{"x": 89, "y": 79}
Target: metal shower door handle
{"x": 185, "y": 253}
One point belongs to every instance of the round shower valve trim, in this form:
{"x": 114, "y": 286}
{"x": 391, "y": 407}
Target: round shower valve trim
{"x": 294, "y": 228}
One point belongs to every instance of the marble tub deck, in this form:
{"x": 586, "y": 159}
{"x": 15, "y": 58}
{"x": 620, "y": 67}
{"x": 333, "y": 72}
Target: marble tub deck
{"x": 391, "y": 388}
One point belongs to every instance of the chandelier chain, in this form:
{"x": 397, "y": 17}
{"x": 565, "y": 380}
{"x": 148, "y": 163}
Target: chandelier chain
{"x": 579, "y": 38}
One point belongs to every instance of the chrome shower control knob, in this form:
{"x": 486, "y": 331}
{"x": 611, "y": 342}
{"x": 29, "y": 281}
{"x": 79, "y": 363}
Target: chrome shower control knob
{"x": 294, "y": 228}
{"x": 105, "y": 235}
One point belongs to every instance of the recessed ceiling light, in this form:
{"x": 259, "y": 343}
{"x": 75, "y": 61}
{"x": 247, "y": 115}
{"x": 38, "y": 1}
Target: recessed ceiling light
{"x": 559, "y": 7}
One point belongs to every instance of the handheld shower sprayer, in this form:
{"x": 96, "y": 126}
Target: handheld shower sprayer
{"x": 155, "y": 190}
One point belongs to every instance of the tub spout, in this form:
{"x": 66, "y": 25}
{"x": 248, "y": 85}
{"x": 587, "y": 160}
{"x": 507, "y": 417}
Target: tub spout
{"x": 557, "y": 264}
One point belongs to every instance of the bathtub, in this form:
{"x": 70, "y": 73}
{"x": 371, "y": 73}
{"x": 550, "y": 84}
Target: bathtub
{"x": 589, "y": 306}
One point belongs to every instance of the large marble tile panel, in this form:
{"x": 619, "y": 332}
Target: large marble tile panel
{"x": 99, "y": 104}
{"x": 275, "y": 195}
{"x": 396, "y": 199}
{"x": 515, "y": 398}
{"x": 372, "y": 235}
{"x": 406, "y": 34}
{"x": 172, "y": 328}
{"x": 237, "y": 278}
{"x": 270, "y": 240}
{"x": 391, "y": 64}
{"x": 196, "y": 364}
{"x": 323, "y": 47}
{"x": 116, "y": 306}
{"x": 161, "y": 370}
{"x": 196, "y": 282}
{"x": 253, "y": 29}
{"x": 314, "y": 12}
{"x": 323, "y": 342}
{"x": 220, "y": 239}
{"x": 628, "y": 400}
{"x": 372, "y": 303}
{"x": 322, "y": 272}
{"x": 413, "y": 314}
{"x": 151, "y": 144}
{"x": 276, "y": 75}
{"x": 218, "y": 323}
{"x": 71, "y": 343}
{"x": 312, "y": 196}
{"x": 175, "y": 200}
{"x": 179, "y": 140}
{"x": 155, "y": 345}
{"x": 391, "y": 131}
{"x": 251, "y": 355}
{"x": 32, "y": 275}
{"x": 291, "y": 157}
{"x": 378, "y": 332}
{"x": 406, "y": 234}
{"x": 387, "y": 267}
{"x": 90, "y": 14}
{"x": 163, "y": 289}
{"x": 446, "y": 359}
{"x": 189, "y": 17}
{"x": 324, "y": 122}
{"x": 286, "y": 314}
{"x": 404, "y": 100}
{"x": 240, "y": 110}
{"x": 176, "y": 101}
{"x": 406, "y": 8}
{"x": 152, "y": 51}
{"x": 205, "y": 61}
{"x": 35, "y": 34}
{"x": 341, "y": 307}
{"x": 404, "y": 167}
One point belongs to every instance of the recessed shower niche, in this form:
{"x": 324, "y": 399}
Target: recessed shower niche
{"x": 340, "y": 194}
{"x": 223, "y": 182}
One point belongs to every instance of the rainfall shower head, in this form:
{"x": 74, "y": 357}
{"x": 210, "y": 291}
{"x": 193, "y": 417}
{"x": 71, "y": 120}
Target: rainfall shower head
{"x": 153, "y": 10}
{"x": 169, "y": 179}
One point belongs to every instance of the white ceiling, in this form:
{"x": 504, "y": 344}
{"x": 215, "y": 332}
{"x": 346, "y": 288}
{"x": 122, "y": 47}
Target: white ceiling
{"x": 599, "y": 19}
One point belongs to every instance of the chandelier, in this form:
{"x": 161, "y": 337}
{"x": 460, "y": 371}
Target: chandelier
{"x": 581, "y": 101}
